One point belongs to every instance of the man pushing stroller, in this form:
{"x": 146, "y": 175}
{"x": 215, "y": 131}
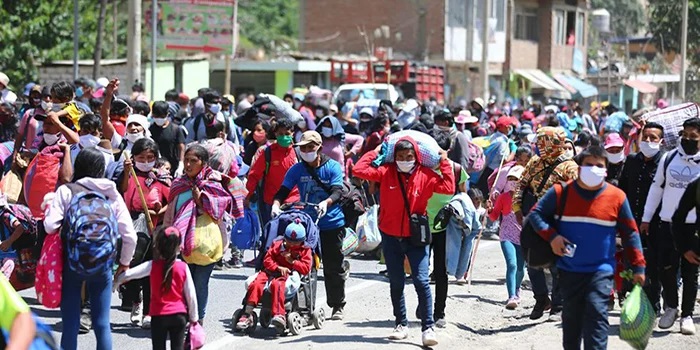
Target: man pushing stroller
{"x": 282, "y": 258}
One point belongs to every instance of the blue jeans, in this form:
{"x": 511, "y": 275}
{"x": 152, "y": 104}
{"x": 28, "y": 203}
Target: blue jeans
{"x": 539, "y": 285}
{"x": 200, "y": 277}
{"x": 515, "y": 267}
{"x": 585, "y": 312}
{"x": 459, "y": 249}
{"x": 99, "y": 289}
{"x": 395, "y": 249}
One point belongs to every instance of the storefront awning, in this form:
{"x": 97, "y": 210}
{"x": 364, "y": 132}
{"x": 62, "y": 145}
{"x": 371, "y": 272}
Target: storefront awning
{"x": 541, "y": 80}
{"x": 577, "y": 86}
{"x": 642, "y": 86}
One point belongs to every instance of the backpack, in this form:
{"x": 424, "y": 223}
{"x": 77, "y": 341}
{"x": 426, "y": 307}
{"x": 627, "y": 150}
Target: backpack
{"x": 89, "y": 231}
{"x": 246, "y": 232}
{"x": 43, "y": 340}
{"x": 48, "y": 280}
{"x": 352, "y": 201}
{"x": 198, "y": 120}
{"x": 667, "y": 162}
{"x": 40, "y": 179}
{"x": 477, "y": 160}
{"x": 267, "y": 153}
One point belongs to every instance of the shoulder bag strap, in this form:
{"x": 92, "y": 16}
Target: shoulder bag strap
{"x": 562, "y": 202}
{"x": 547, "y": 174}
{"x": 314, "y": 175}
{"x": 403, "y": 193}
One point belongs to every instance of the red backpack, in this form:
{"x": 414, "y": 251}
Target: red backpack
{"x": 41, "y": 178}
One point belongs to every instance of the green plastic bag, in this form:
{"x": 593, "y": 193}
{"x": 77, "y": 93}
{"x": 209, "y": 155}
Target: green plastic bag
{"x": 638, "y": 319}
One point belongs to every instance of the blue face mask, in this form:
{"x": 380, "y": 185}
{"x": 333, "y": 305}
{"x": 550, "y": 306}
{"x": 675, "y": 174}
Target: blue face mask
{"x": 79, "y": 92}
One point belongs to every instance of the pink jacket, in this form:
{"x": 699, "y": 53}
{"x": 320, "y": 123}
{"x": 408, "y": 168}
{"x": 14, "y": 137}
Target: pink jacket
{"x": 55, "y": 212}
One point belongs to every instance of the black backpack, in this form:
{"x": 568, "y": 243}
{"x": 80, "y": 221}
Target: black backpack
{"x": 352, "y": 202}
{"x": 537, "y": 251}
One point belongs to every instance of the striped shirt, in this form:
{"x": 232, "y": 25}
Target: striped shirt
{"x": 591, "y": 220}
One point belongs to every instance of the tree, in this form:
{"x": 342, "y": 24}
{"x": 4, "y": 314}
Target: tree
{"x": 626, "y": 16}
{"x": 665, "y": 24}
{"x": 98, "y": 39}
{"x": 269, "y": 23}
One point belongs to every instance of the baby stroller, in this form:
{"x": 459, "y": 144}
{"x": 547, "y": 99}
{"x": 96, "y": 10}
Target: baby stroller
{"x": 300, "y": 303}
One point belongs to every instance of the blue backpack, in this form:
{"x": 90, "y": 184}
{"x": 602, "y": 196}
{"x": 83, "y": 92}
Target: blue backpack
{"x": 89, "y": 232}
{"x": 246, "y": 232}
{"x": 42, "y": 341}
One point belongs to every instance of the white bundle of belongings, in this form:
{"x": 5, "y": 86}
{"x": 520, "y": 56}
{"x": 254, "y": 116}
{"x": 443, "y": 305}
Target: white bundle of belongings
{"x": 428, "y": 149}
{"x": 291, "y": 285}
{"x": 672, "y": 119}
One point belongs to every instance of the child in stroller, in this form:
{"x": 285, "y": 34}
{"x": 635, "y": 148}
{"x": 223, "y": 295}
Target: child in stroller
{"x": 284, "y": 286}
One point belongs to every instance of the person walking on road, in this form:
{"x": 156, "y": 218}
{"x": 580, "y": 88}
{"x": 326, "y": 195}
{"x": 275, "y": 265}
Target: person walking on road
{"x": 414, "y": 183}
{"x": 593, "y": 212}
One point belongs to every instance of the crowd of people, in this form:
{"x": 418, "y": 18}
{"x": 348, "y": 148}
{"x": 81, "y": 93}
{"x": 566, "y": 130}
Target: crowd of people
{"x": 155, "y": 188}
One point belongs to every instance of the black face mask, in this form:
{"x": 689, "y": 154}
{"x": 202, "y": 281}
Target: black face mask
{"x": 690, "y": 147}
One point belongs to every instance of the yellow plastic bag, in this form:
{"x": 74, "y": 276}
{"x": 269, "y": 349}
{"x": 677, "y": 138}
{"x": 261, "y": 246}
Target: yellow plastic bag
{"x": 208, "y": 243}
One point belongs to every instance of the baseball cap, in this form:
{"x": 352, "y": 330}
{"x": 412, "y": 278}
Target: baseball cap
{"x": 4, "y": 79}
{"x": 516, "y": 171}
{"x": 367, "y": 110}
{"x": 333, "y": 108}
{"x": 102, "y": 82}
{"x": 504, "y": 122}
{"x": 295, "y": 232}
{"x": 527, "y": 115}
{"x": 310, "y": 136}
{"x": 614, "y": 140}
{"x": 299, "y": 96}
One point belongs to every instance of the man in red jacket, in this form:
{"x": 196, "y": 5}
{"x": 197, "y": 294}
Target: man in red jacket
{"x": 270, "y": 175}
{"x": 419, "y": 183}
{"x": 284, "y": 257}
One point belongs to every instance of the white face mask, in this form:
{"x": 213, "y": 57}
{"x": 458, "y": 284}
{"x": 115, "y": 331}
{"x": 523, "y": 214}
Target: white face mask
{"x": 615, "y": 157}
{"x": 405, "y": 167}
{"x": 650, "y": 149}
{"x": 319, "y": 113}
{"x": 387, "y": 129}
{"x": 569, "y": 154}
{"x": 308, "y": 156}
{"x": 134, "y": 137}
{"x": 51, "y": 139}
{"x": 593, "y": 176}
{"x": 327, "y": 132}
{"x": 159, "y": 121}
{"x": 89, "y": 140}
{"x": 145, "y": 167}
{"x": 297, "y": 104}
{"x": 215, "y": 108}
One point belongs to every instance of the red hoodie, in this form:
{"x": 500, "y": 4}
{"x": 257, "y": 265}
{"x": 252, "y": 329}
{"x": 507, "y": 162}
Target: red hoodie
{"x": 282, "y": 158}
{"x": 419, "y": 185}
{"x": 301, "y": 255}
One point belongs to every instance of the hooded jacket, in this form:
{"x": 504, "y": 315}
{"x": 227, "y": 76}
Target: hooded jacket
{"x": 55, "y": 213}
{"x": 550, "y": 142}
{"x": 420, "y": 185}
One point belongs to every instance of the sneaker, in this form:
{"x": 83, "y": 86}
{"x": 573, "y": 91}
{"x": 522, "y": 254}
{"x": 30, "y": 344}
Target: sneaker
{"x": 218, "y": 267}
{"x": 461, "y": 281}
{"x": 337, "y": 314}
{"x": 542, "y": 305}
{"x": 279, "y": 322}
{"x": 399, "y": 333}
{"x": 429, "y": 337}
{"x": 250, "y": 263}
{"x": 136, "y": 313}
{"x": 554, "y": 315}
{"x": 146, "y": 323}
{"x": 244, "y": 322}
{"x": 85, "y": 322}
{"x": 687, "y": 325}
{"x": 512, "y": 303}
{"x": 440, "y": 323}
{"x": 668, "y": 318}
{"x": 235, "y": 262}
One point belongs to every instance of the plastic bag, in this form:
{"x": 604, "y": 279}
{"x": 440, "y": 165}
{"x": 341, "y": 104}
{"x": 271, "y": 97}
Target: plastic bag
{"x": 368, "y": 230}
{"x": 427, "y": 147}
{"x": 350, "y": 242}
{"x": 638, "y": 319}
{"x": 196, "y": 335}
{"x": 208, "y": 242}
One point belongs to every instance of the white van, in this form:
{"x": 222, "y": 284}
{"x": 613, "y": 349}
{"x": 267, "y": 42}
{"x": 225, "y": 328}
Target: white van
{"x": 375, "y": 91}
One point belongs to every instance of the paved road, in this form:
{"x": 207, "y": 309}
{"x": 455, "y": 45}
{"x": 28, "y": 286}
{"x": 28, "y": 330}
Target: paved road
{"x": 476, "y": 317}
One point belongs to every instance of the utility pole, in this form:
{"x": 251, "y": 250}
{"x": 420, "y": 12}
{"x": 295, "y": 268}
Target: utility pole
{"x": 133, "y": 43}
{"x": 485, "y": 49}
{"x": 154, "y": 43}
{"x": 76, "y": 29}
{"x": 227, "y": 75}
{"x": 684, "y": 47}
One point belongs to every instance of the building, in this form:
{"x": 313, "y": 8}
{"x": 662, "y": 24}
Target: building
{"x": 533, "y": 37}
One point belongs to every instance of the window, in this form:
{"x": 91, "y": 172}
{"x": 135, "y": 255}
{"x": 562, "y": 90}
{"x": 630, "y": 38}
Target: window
{"x": 559, "y": 27}
{"x": 526, "y": 24}
{"x": 580, "y": 22}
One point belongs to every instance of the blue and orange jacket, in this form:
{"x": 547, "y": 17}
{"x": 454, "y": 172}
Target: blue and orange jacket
{"x": 591, "y": 220}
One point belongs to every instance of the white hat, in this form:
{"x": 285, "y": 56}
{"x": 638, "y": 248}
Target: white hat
{"x": 516, "y": 171}
{"x": 4, "y": 80}
{"x": 141, "y": 120}
{"x": 367, "y": 110}
{"x": 102, "y": 82}
{"x": 333, "y": 108}
{"x": 465, "y": 117}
